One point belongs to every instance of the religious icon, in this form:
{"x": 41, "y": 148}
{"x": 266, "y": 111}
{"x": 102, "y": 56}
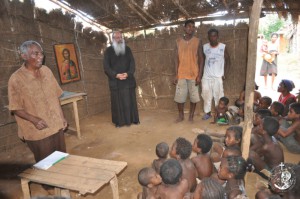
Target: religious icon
{"x": 67, "y": 63}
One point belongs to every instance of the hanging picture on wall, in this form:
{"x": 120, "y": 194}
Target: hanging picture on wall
{"x": 67, "y": 63}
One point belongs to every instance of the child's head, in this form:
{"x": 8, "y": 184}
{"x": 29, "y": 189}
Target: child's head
{"x": 294, "y": 112}
{"x": 211, "y": 189}
{"x": 148, "y": 177}
{"x": 162, "y": 150}
{"x": 270, "y": 125}
{"x": 171, "y": 171}
{"x": 232, "y": 167}
{"x": 264, "y": 102}
{"x": 223, "y": 102}
{"x": 277, "y": 109}
{"x": 233, "y": 136}
{"x": 260, "y": 115}
{"x": 202, "y": 143}
{"x": 181, "y": 149}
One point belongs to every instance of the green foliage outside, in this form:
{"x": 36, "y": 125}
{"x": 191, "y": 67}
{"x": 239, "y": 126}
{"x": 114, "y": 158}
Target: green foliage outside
{"x": 270, "y": 24}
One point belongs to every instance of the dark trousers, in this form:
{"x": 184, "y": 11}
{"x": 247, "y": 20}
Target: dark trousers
{"x": 43, "y": 148}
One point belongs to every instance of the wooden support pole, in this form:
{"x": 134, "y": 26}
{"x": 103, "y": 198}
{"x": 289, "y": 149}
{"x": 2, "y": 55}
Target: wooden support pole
{"x": 250, "y": 77}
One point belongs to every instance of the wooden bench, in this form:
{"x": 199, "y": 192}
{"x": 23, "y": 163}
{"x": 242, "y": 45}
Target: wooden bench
{"x": 77, "y": 173}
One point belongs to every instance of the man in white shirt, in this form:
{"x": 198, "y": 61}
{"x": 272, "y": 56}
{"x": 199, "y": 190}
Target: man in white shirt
{"x": 216, "y": 64}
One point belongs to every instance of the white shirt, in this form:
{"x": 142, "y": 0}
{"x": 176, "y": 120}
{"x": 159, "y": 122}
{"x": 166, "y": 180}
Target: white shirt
{"x": 214, "y": 61}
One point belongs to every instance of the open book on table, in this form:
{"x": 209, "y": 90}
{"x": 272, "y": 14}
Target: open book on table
{"x": 50, "y": 160}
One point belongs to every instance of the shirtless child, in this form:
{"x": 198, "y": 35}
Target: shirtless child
{"x": 181, "y": 151}
{"x": 202, "y": 161}
{"x": 162, "y": 151}
{"x": 150, "y": 180}
{"x": 173, "y": 186}
{"x": 233, "y": 138}
{"x": 291, "y": 136}
{"x": 271, "y": 153}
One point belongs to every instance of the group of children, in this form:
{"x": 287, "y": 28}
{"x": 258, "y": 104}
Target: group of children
{"x": 217, "y": 170}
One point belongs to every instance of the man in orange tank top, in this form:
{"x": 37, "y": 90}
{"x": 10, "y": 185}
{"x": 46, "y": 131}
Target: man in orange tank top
{"x": 189, "y": 58}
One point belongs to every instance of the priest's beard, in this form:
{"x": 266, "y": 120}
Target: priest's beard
{"x": 119, "y": 48}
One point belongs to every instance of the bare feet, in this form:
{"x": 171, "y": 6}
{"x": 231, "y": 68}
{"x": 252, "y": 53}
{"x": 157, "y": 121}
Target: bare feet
{"x": 179, "y": 119}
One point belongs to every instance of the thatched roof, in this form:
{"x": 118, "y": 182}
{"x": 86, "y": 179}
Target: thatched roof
{"x": 142, "y": 14}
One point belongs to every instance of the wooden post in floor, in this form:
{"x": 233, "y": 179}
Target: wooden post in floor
{"x": 250, "y": 77}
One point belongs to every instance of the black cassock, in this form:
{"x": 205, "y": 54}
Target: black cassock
{"x": 123, "y": 98}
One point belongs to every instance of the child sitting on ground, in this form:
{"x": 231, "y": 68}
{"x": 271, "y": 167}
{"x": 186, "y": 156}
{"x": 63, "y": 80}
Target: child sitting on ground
{"x": 256, "y": 141}
{"x": 162, "y": 151}
{"x": 181, "y": 151}
{"x": 271, "y": 153}
{"x": 202, "y": 161}
{"x": 233, "y": 138}
{"x": 233, "y": 170}
{"x": 209, "y": 188}
{"x": 150, "y": 180}
{"x": 290, "y": 137}
{"x": 264, "y": 103}
{"x": 220, "y": 111}
{"x": 173, "y": 186}
{"x": 258, "y": 117}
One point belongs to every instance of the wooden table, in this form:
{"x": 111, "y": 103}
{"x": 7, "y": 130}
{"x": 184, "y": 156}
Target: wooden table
{"x": 77, "y": 173}
{"x": 71, "y": 97}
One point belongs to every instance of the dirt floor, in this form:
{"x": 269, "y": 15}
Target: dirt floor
{"x": 134, "y": 144}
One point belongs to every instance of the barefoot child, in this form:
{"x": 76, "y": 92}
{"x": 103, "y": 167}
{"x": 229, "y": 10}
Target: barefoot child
{"x": 150, "y": 180}
{"x": 173, "y": 186}
{"x": 202, "y": 161}
{"x": 181, "y": 151}
{"x": 162, "y": 151}
{"x": 271, "y": 154}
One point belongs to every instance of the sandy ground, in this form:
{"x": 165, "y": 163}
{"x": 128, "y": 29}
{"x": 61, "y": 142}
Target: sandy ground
{"x": 134, "y": 144}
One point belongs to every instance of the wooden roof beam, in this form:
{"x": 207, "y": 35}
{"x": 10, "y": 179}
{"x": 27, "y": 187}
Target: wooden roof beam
{"x": 225, "y": 17}
{"x": 176, "y": 2}
{"x": 280, "y": 10}
{"x": 144, "y": 11}
{"x": 100, "y": 6}
{"x": 136, "y": 11}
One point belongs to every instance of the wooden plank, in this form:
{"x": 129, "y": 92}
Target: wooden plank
{"x": 110, "y": 165}
{"x": 83, "y": 172}
{"x": 76, "y": 118}
{"x": 250, "y": 82}
{"x": 25, "y": 188}
{"x": 70, "y": 100}
{"x": 83, "y": 185}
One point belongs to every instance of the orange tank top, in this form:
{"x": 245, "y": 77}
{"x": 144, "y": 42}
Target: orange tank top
{"x": 188, "y": 58}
